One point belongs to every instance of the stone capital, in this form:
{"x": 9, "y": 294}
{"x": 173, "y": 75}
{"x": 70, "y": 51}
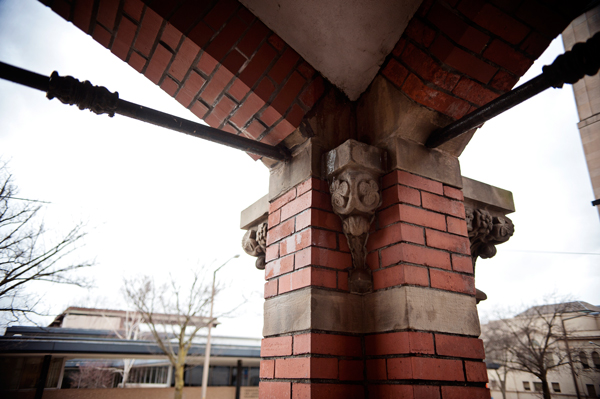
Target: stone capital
{"x": 353, "y": 170}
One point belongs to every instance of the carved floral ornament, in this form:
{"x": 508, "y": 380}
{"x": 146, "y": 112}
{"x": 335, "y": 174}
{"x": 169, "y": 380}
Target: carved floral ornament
{"x": 254, "y": 243}
{"x": 486, "y": 231}
{"x": 353, "y": 170}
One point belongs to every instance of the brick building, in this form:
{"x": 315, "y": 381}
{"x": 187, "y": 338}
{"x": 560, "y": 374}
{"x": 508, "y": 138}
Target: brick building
{"x": 368, "y": 238}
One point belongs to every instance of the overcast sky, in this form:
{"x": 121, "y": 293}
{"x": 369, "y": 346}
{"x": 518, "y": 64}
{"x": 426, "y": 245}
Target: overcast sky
{"x": 157, "y": 201}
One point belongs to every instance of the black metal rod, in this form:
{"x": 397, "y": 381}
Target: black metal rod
{"x": 99, "y": 100}
{"x": 583, "y": 59}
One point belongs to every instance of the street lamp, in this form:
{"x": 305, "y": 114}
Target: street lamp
{"x": 210, "y": 323}
{"x": 569, "y": 349}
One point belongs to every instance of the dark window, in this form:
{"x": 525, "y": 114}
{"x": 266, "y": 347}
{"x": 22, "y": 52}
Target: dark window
{"x": 537, "y": 386}
{"x": 148, "y": 375}
{"x": 584, "y": 360}
{"x": 591, "y": 390}
{"x": 596, "y": 359}
{"x": 526, "y": 386}
{"x": 219, "y": 376}
{"x": 556, "y": 387}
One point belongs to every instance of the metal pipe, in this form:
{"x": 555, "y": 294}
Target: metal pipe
{"x": 101, "y": 101}
{"x": 583, "y": 59}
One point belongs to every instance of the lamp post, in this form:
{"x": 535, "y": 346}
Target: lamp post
{"x": 210, "y": 323}
{"x": 562, "y": 321}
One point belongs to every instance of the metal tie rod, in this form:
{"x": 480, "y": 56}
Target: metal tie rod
{"x": 583, "y": 59}
{"x": 101, "y": 101}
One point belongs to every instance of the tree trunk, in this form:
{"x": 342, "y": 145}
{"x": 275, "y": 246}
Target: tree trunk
{"x": 179, "y": 369}
{"x": 545, "y": 388}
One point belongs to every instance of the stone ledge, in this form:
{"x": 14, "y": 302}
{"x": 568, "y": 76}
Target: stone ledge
{"x": 399, "y": 308}
{"x": 485, "y": 196}
{"x": 255, "y": 214}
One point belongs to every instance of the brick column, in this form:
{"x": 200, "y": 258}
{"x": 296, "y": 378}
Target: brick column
{"x": 413, "y": 336}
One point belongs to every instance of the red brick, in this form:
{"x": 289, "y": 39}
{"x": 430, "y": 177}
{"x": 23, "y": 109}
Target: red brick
{"x": 504, "y": 81}
{"x": 107, "y": 12}
{"x": 296, "y": 206}
{"x": 267, "y": 369}
{"x": 245, "y": 15}
{"x": 82, "y": 15}
{"x": 543, "y": 19}
{"x": 306, "y": 70}
{"x": 535, "y": 44}
{"x": 420, "y": 368}
{"x": 458, "y": 30}
{"x": 169, "y": 86}
{"x": 185, "y": 16}
{"x": 137, "y": 62}
{"x": 279, "y": 346}
{"x": 400, "y": 275}
{"x": 426, "y": 392}
{"x": 288, "y": 93}
{"x": 457, "y": 226}
{"x": 313, "y": 256}
{"x": 451, "y": 345}
{"x": 400, "y": 194}
{"x": 308, "y": 276}
{"x": 279, "y": 266}
{"x": 279, "y": 132}
{"x": 62, "y": 8}
{"x": 448, "y": 242}
{"x": 148, "y": 31}
{"x": 376, "y": 369}
{"x": 258, "y": 65}
{"x": 450, "y": 281}
{"x": 190, "y": 88}
{"x": 462, "y": 264}
{"x": 428, "y": 69}
{"x": 351, "y": 370}
{"x": 453, "y": 193}
{"x": 200, "y": 110}
{"x": 284, "y": 65}
{"x": 422, "y": 183}
{"x": 414, "y": 254}
{"x": 437, "y": 100}
{"x": 496, "y": 21}
{"x": 306, "y": 367}
{"x": 247, "y": 110}
{"x": 507, "y": 57}
{"x": 473, "y": 92}
{"x": 238, "y": 89}
{"x": 226, "y": 39}
{"x": 396, "y": 391}
{"x": 342, "y": 281}
{"x": 444, "y": 205}
{"x": 284, "y": 230}
{"x": 221, "y": 13}
{"x": 102, "y": 36}
{"x": 394, "y": 234}
{"x": 274, "y": 219}
{"x": 158, "y": 64}
{"x": 327, "y": 391}
{"x": 419, "y": 32}
{"x": 303, "y": 239}
{"x": 269, "y": 115}
{"x": 282, "y": 200}
{"x": 327, "y": 344}
{"x": 461, "y": 60}
{"x": 476, "y": 371}
{"x": 318, "y": 218}
{"x": 272, "y": 252}
{"x": 201, "y": 34}
{"x": 464, "y": 393}
{"x": 207, "y": 63}
{"x": 255, "y": 129}
{"x": 271, "y": 288}
{"x": 216, "y": 85}
{"x": 419, "y": 216}
{"x": 133, "y": 8}
{"x": 252, "y": 39}
{"x": 399, "y": 343}
{"x": 399, "y": 47}
{"x": 124, "y": 38}
{"x": 313, "y": 92}
{"x": 183, "y": 59}
{"x": 395, "y": 72}
{"x": 222, "y": 110}
{"x": 274, "y": 390}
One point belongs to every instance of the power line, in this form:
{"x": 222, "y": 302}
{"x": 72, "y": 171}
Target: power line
{"x": 30, "y": 200}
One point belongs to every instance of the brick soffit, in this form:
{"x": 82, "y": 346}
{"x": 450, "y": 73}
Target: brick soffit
{"x": 226, "y": 66}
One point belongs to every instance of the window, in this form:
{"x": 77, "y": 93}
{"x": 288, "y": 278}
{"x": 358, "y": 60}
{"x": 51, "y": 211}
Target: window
{"x": 596, "y": 359}
{"x": 584, "y": 360}
{"x": 591, "y": 390}
{"x": 537, "y": 386}
{"x": 526, "y": 386}
{"x": 148, "y": 375}
{"x": 556, "y": 387}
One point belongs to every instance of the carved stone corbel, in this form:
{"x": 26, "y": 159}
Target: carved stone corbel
{"x": 486, "y": 231}
{"x": 353, "y": 170}
{"x": 254, "y": 243}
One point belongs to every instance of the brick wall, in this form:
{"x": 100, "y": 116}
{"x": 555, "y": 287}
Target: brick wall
{"x": 214, "y": 57}
{"x": 457, "y": 55}
{"x": 418, "y": 238}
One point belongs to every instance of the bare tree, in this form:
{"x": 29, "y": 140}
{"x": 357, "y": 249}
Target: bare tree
{"x": 173, "y": 314}
{"x": 93, "y": 376}
{"x": 24, "y": 257}
{"x": 530, "y": 342}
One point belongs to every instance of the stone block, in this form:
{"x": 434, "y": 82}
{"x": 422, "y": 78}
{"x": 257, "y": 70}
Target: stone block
{"x": 485, "y": 196}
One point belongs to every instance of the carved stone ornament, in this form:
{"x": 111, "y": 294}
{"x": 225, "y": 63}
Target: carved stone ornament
{"x": 254, "y": 243}
{"x": 353, "y": 170}
{"x": 486, "y": 231}
{"x": 85, "y": 95}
